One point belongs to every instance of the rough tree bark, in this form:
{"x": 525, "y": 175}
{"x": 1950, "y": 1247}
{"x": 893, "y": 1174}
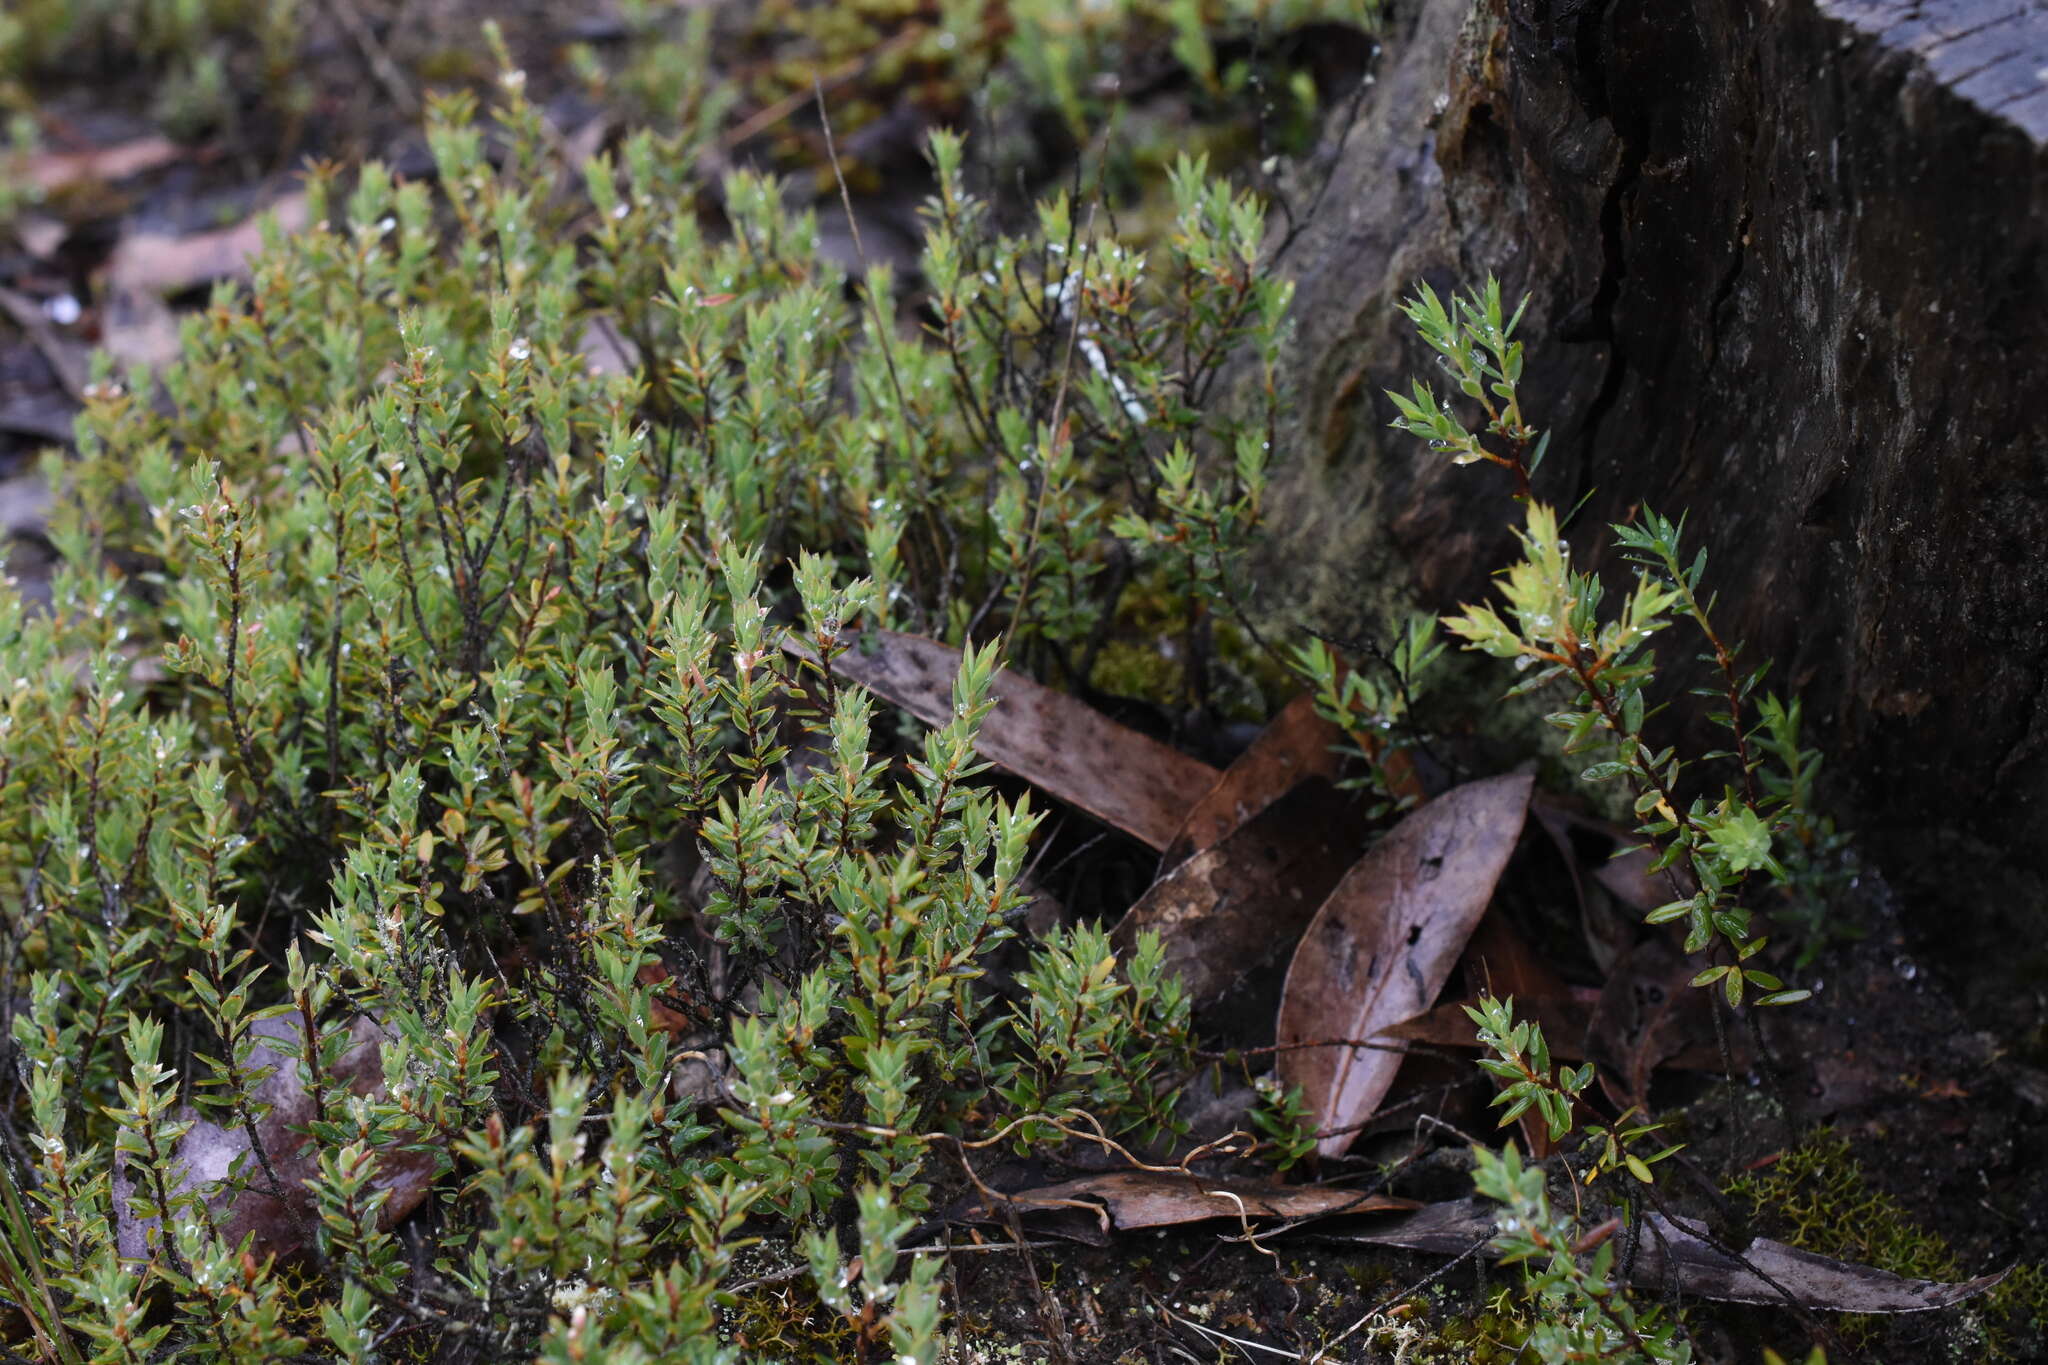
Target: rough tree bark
{"x": 1788, "y": 270}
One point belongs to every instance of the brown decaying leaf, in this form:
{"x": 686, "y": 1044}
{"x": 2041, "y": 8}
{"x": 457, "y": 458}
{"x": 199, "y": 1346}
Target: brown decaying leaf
{"x": 50, "y": 171}
{"x": 1296, "y": 745}
{"x": 1057, "y": 744}
{"x": 1676, "y": 1252}
{"x": 1385, "y": 941}
{"x": 1128, "y": 1201}
{"x": 1499, "y": 961}
{"x": 1235, "y": 906}
{"x": 158, "y": 263}
{"x": 1648, "y": 1014}
{"x": 208, "y": 1153}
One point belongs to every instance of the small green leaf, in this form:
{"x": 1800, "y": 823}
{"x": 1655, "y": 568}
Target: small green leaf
{"x": 1784, "y": 997}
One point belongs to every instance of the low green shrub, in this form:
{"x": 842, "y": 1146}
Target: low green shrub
{"x": 493, "y": 542}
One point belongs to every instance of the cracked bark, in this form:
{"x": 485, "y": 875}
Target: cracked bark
{"x": 1788, "y": 269}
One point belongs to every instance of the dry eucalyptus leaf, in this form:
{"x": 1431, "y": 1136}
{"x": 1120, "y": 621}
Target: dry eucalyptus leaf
{"x": 1298, "y": 744}
{"x": 158, "y": 263}
{"x": 1815, "y": 1281}
{"x": 1127, "y": 1201}
{"x": 1384, "y": 943}
{"x": 1565, "y": 1019}
{"x": 50, "y": 171}
{"x": 1057, "y": 744}
{"x": 1234, "y": 906}
{"x": 1500, "y": 961}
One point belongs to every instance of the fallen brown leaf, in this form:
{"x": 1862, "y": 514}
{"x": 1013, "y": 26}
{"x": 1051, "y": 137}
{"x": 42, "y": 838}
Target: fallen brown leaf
{"x": 1057, "y": 744}
{"x": 49, "y": 171}
{"x": 1232, "y": 907}
{"x": 1682, "y": 1245}
{"x": 1611, "y": 876}
{"x": 1649, "y": 1013}
{"x": 1128, "y": 1201}
{"x": 159, "y": 263}
{"x": 1565, "y": 1020}
{"x": 1384, "y": 943}
{"x": 1500, "y": 961}
{"x": 1295, "y": 746}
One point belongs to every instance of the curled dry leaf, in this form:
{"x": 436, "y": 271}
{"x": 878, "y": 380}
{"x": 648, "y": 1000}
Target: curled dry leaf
{"x": 1384, "y": 943}
{"x": 248, "y": 1205}
{"x": 1127, "y": 1201}
{"x": 1061, "y": 746}
{"x": 1298, "y": 744}
{"x": 1231, "y": 908}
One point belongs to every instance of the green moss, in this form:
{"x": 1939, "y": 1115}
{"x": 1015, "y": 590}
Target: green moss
{"x": 1818, "y": 1192}
{"x": 1818, "y": 1198}
{"x": 786, "y": 1322}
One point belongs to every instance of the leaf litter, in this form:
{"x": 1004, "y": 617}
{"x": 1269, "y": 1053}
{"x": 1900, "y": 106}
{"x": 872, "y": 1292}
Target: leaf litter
{"x": 1296, "y": 746}
{"x": 280, "y": 1217}
{"x": 1057, "y": 743}
{"x": 1407, "y": 912}
{"x": 1384, "y": 943}
{"x": 1132, "y": 1201}
{"x": 1242, "y": 902}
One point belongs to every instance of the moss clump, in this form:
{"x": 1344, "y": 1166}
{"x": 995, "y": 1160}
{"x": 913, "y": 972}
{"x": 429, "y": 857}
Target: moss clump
{"x": 1818, "y": 1192}
{"x": 1818, "y": 1197}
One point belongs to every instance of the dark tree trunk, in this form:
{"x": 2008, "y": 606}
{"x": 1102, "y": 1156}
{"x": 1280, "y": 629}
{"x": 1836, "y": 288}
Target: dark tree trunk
{"x": 1788, "y": 270}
